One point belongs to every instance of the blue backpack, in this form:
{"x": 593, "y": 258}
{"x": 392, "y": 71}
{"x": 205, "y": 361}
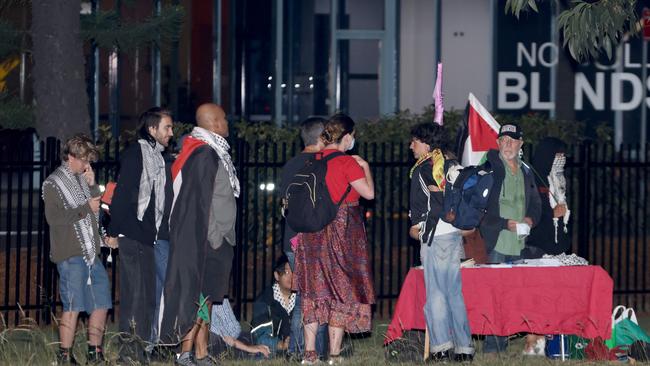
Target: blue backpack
{"x": 466, "y": 198}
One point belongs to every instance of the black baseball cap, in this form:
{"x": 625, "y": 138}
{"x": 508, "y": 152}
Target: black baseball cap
{"x": 511, "y": 130}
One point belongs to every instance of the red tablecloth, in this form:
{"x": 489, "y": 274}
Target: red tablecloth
{"x": 504, "y": 301}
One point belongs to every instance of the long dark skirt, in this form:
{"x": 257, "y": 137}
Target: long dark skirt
{"x": 332, "y": 273}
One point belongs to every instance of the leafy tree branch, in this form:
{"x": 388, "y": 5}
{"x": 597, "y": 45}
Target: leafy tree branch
{"x": 589, "y": 27}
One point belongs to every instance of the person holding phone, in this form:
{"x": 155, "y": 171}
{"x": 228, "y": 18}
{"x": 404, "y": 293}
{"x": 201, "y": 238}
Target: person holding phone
{"x": 71, "y": 198}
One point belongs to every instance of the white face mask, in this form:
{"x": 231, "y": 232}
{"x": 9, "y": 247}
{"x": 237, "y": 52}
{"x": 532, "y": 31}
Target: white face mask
{"x": 351, "y": 145}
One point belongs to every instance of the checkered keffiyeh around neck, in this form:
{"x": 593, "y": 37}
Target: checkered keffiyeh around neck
{"x": 221, "y": 147}
{"x": 152, "y": 178}
{"x": 277, "y": 296}
{"x": 74, "y": 192}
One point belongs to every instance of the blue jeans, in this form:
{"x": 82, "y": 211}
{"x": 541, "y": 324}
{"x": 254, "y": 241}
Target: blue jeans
{"x": 493, "y": 343}
{"x": 297, "y": 340}
{"x": 445, "y": 312}
{"x": 161, "y": 255}
{"x": 76, "y": 293}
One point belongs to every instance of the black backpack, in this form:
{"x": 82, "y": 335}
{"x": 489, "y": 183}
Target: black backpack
{"x": 307, "y": 205}
{"x": 466, "y": 199}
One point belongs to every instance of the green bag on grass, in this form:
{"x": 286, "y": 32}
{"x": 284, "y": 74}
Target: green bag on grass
{"x": 617, "y": 316}
{"x": 626, "y": 329}
{"x": 628, "y": 332}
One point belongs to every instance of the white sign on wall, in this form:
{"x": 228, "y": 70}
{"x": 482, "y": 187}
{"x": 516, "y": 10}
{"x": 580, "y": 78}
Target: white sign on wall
{"x": 603, "y": 88}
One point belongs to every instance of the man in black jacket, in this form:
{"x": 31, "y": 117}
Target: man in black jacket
{"x": 513, "y": 208}
{"x": 139, "y": 220}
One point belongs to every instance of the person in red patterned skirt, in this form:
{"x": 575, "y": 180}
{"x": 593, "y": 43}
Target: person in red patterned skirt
{"x": 332, "y": 269}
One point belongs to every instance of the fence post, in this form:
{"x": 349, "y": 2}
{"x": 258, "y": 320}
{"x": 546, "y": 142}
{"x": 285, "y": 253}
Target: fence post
{"x": 51, "y": 162}
{"x": 238, "y": 264}
{"x": 584, "y": 200}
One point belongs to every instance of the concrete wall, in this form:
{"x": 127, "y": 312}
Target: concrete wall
{"x": 417, "y": 54}
{"x": 466, "y": 52}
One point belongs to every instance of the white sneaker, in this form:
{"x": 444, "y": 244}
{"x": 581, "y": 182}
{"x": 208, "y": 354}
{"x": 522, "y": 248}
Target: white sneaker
{"x": 529, "y": 352}
{"x": 540, "y": 347}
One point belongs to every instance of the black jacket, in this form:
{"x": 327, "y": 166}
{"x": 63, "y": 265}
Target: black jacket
{"x": 124, "y": 206}
{"x": 425, "y": 206}
{"x": 493, "y": 223}
{"x": 543, "y": 235}
{"x": 266, "y": 309}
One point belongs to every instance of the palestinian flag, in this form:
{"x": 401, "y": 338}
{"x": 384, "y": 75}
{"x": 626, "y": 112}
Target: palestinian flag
{"x": 477, "y": 135}
{"x": 189, "y": 145}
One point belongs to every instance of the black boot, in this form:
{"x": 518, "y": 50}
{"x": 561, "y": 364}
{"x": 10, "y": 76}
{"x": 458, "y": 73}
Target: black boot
{"x": 463, "y": 357}
{"x": 442, "y": 357}
{"x": 95, "y": 355}
{"x": 65, "y": 357}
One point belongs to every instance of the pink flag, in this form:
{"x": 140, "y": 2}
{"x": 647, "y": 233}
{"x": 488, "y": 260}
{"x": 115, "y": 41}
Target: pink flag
{"x": 437, "y": 97}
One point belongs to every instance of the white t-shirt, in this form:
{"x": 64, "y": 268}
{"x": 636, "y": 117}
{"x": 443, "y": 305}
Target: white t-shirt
{"x": 444, "y": 228}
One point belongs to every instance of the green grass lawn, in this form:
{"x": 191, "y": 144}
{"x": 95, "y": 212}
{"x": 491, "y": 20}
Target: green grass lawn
{"x": 33, "y": 345}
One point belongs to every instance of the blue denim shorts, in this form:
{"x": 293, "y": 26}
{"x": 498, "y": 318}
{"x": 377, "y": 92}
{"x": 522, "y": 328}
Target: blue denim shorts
{"x": 76, "y": 294}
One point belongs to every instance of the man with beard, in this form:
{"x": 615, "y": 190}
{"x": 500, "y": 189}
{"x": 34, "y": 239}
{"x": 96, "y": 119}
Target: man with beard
{"x": 202, "y": 228}
{"x": 139, "y": 221}
{"x": 513, "y": 209}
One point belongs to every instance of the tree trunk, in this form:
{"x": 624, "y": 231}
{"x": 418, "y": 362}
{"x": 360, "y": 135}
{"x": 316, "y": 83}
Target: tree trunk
{"x": 59, "y": 71}
{"x": 564, "y": 78}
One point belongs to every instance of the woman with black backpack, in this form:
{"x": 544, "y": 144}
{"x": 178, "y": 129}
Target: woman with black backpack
{"x": 332, "y": 269}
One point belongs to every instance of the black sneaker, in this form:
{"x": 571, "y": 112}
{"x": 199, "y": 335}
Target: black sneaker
{"x": 440, "y": 357}
{"x": 65, "y": 357}
{"x": 95, "y": 356}
{"x": 463, "y": 357}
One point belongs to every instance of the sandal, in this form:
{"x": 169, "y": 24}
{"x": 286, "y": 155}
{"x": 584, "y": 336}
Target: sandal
{"x": 310, "y": 358}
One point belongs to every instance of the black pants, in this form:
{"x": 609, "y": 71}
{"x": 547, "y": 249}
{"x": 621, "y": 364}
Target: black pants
{"x": 137, "y": 288}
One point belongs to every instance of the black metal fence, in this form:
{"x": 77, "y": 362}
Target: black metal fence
{"x": 608, "y": 192}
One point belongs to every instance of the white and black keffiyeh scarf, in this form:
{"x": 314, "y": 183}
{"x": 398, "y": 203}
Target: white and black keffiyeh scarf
{"x": 74, "y": 192}
{"x": 220, "y": 145}
{"x": 557, "y": 190}
{"x": 277, "y": 296}
{"x": 153, "y": 177}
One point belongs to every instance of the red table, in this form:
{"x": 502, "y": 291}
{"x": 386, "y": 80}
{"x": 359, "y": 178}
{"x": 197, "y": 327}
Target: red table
{"x": 504, "y": 301}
